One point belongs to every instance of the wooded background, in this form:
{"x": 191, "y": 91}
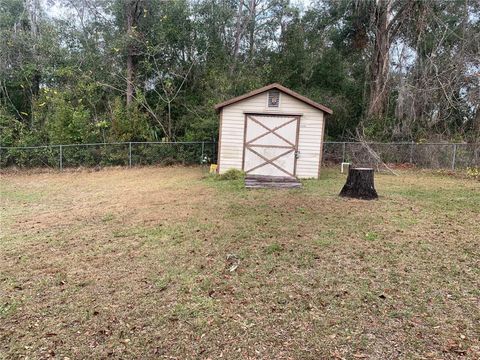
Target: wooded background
{"x": 77, "y": 71}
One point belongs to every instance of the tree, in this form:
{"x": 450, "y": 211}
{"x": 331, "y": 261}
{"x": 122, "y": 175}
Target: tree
{"x": 386, "y": 21}
{"x": 392, "y": 69}
{"x": 133, "y": 11}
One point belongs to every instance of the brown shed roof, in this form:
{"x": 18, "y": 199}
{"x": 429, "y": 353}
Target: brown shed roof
{"x": 282, "y": 89}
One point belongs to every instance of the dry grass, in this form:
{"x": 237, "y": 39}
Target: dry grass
{"x": 133, "y": 264}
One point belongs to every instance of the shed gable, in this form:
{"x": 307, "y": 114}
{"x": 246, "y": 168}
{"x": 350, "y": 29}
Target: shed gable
{"x": 280, "y": 88}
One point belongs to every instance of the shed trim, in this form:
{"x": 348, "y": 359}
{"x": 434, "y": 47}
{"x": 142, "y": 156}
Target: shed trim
{"x": 289, "y": 148}
{"x": 322, "y": 144}
{"x": 219, "y": 142}
{"x": 280, "y": 88}
{"x": 270, "y": 113}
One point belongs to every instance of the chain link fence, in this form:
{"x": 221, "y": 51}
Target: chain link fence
{"x": 109, "y": 154}
{"x": 428, "y": 155}
{"x": 434, "y": 156}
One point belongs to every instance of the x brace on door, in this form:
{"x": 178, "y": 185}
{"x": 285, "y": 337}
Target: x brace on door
{"x": 271, "y": 131}
{"x": 290, "y": 147}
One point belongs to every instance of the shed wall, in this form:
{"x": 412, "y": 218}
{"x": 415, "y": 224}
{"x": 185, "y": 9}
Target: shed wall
{"x": 310, "y": 134}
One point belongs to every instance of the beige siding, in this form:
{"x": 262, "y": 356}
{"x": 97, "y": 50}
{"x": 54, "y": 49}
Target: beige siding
{"x": 310, "y": 134}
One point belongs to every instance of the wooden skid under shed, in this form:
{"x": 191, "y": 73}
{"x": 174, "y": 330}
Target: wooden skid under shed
{"x": 277, "y": 182}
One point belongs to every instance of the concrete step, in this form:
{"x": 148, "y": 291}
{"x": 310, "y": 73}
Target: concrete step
{"x": 278, "y": 182}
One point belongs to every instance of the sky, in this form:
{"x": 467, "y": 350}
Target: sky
{"x": 55, "y": 10}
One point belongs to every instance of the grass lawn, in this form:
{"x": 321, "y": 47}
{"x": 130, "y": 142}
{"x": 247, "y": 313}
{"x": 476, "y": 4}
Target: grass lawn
{"x": 136, "y": 263}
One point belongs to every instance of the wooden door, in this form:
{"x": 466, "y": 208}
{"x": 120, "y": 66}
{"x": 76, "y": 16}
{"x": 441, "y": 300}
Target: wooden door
{"x": 271, "y": 143}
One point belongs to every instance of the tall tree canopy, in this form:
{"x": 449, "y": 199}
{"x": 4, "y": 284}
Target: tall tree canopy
{"x": 125, "y": 70}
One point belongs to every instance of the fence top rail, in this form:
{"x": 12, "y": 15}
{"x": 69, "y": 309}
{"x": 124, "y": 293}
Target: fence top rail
{"x": 212, "y": 142}
{"x": 28, "y": 147}
{"x": 171, "y": 142}
{"x": 398, "y": 143}
{"x": 91, "y": 144}
{"x": 112, "y": 143}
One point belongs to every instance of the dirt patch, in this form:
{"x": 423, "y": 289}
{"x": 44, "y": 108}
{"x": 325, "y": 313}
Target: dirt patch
{"x": 134, "y": 197}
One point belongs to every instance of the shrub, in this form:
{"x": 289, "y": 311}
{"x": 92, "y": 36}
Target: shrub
{"x": 474, "y": 172}
{"x": 129, "y": 123}
{"x": 169, "y": 161}
{"x": 232, "y": 174}
{"x": 67, "y": 123}
{"x": 10, "y": 128}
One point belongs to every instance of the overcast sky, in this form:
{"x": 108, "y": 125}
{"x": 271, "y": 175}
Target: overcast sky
{"x": 56, "y": 10}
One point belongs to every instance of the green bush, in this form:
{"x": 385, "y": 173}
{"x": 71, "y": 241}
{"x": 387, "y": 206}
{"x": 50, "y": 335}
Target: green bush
{"x": 473, "y": 173}
{"x": 37, "y": 157}
{"x": 166, "y": 154}
{"x": 10, "y": 128}
{"x": 129, "y": 123}
{"x": 232, "y": 174}
{"x": 67, "y": 123}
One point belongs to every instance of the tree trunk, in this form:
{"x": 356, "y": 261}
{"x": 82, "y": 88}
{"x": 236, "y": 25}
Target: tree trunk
{"x": 476, "y": 124}
{"x": 253, "y": 15}
{"x": 169, "y": 124}
{"x": 33, "y": 8}
{"x": 130, "y": 77}
{"x": 359, "y": 184}
{"x": 380, "y": 62}
{"x": 132, "y": 9}
{"x": 238, "y": 30}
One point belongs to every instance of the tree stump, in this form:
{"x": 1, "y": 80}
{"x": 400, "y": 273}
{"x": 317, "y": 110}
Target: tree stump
{"x": 359, "y": 184}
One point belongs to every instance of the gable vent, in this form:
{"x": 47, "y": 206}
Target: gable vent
{"x": 274, "y": 98}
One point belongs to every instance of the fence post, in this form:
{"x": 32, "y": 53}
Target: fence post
{"x": 60, "y": 157}
{"x": 214, "y": 153}
{"x": 203, "y": 149}
{"x": 343, "y": 151}
{"x": 411, "y": 152}
{"x": 130, "y": 154}
{"x": 454, "y": 156}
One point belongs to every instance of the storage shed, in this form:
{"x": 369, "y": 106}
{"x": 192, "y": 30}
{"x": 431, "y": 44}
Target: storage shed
{"x": 271, "y": 131}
